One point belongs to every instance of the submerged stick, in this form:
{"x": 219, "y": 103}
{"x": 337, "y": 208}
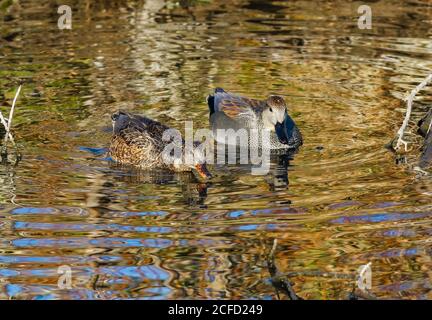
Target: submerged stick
{"x": 279, "y": 282}
{"x": 409, "y": 100}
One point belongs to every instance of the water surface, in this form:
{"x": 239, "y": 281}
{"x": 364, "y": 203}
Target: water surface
{"x": 342, "y": 202}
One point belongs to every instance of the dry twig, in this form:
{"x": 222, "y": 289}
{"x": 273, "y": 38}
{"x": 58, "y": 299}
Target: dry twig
{"x": 7, "y": 124}
{"x": 409, "y": 100}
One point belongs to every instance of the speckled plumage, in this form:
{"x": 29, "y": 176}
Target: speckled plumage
{"x": 229, "y": 111}
{"x": 138, "y": 141}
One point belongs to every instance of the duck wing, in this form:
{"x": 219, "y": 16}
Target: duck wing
{"x": 235, "y": 107}
{"x": 138, "y": 130}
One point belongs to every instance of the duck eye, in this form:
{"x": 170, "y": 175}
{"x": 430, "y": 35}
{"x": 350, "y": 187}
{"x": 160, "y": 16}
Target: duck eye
{"x": 271, "y": 110}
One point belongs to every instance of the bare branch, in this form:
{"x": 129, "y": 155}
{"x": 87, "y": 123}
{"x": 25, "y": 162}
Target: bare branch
{"x": 279, "y": 282}
{"x": 409, "y": 100}
{"x": 11, "y": 113}
{"x": 5, "y": 125}
{"x": 13, "y": 107}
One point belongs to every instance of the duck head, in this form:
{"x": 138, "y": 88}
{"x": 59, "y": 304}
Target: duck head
{"x": 198, "y": 165}
{"x": 201, "y": 169}
{"x": 274, "y": 115}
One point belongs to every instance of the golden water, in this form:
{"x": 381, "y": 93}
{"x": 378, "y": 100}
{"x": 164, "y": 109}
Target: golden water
{"x": 126, "y": 235}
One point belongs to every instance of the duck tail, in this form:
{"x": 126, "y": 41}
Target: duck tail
{"x": 210, "y": 102}
{"x": 211, "y": 99}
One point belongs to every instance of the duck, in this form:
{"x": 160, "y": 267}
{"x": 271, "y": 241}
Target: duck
{"x": 231, "y": 111}
{"x": 138, "y": 141}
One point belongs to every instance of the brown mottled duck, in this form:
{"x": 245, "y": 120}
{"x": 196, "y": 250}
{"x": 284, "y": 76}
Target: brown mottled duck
{"x": 138, "y": 141}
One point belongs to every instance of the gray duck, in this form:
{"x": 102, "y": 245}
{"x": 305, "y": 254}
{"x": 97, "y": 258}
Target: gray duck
{"x": 137, "y": 141}
{"x": 230, "y": 111}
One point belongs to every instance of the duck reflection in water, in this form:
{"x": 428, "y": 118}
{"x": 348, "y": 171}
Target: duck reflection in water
{"x": 276, "y": 176}
{"x": 193, "y": 191}
{"x": 279, "y": 177}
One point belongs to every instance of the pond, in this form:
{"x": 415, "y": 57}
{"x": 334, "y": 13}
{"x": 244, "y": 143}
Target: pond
{"x": 343, "y": 201}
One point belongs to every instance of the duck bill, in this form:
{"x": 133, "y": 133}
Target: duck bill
{"x": 202, "y": 171}
{"x": 281, "y": 132}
